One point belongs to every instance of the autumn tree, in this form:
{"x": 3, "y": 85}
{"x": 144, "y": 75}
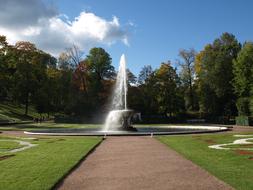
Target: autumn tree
{"x": 64, "y": 61}
{"x": 81, "y": 75}
{"x": 75, "y": 56}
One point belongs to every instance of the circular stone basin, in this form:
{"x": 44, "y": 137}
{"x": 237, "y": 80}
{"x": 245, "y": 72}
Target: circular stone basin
{"x": 141, "y": 131}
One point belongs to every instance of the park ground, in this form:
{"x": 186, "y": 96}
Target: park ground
{"x": 47, "y": 164}
{"x": 43, "y": 166}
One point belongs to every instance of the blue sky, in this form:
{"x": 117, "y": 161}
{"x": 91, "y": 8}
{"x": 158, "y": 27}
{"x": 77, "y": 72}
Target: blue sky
{"x": 160, "y": 28}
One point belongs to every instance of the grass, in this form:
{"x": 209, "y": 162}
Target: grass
{"x": 41, "y": 167}
{"x": 8, "y": 145}
{"x": 52, "y": 125}
{"x": 47, "y": 125}
{"x": 228, "y": 165}
{"x": 15, "y": 113}
{"x": 241, "y": 146}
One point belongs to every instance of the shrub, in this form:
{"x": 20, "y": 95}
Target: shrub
{"x": 243, "y": 106}
{"x": 251, "y": 105}
{"x": 244, "y": 120}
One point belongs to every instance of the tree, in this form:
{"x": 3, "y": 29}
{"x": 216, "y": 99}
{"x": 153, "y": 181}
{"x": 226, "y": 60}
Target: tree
{"x": 166, "y": 88}
{"x": 80, "y": 76}
{"x": 64, "y": 61}
{"x": 214, "y": 74}
{"x": 5, "y": 68}
{"x": 25, "y": 76}
{"x": 187, "y": 75}
{"x": 251, "y": 102}
{"x": 101, "y": 72}
{"x": 45, "y": 96}
{"x": 145, "y": 73}
{"x": 75, "y": 56}
{"x": 70, "y": 58}
{"x": 148, "y": 104}
{"x": 31, "y": 76}
{"x": 47, "y": 59}
{"x": 243, "y": 70}
{"x": 100, "y": 63}
{"x": 131, "y": 78}
{"x": 144, "y": 95}
{"x": 65, "y": 91}
{"x": 243, "y": 77}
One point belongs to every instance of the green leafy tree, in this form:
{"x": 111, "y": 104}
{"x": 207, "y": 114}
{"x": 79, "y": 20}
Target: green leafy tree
{"x": 214, "y": 71}
{"x": 100, "y": 71}
{"x": 251, "y": 102}
{"x": 100, "y": 63}
{"x": 187, "y": 75}
{"x": 8, "y": 66}
{"x": 25, "y": 76}
{"x": 4, "y": 68}
{"x": 132, "y": 79}
{"x": 148, "y": 90}
{"x": 243, "y": 77}
{"x": 144, "y": 94}
{"x": 47, "y": 97}
{"x": 166, "y": 84}
{"x": 243, "y": 70}
{"x": 145, "y": 73}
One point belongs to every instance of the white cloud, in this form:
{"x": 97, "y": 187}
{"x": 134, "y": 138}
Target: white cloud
{"x": 54, "y": 33}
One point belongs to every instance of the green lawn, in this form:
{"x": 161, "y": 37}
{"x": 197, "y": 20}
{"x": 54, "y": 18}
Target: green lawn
{"x": 15, "y": 113}
{"x": 40, "y": 167}
{"x": 51, "y": 125}
{"x": 8, "y": 145}
{"x": 47, "y": 125}
{"x": 231, "y": 166}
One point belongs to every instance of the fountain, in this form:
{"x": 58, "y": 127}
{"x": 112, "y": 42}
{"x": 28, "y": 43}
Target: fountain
{"x": 119, "y": 118}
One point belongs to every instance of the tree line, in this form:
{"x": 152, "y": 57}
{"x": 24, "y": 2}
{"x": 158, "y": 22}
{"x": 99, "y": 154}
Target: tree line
{"x": 217, "y": 81}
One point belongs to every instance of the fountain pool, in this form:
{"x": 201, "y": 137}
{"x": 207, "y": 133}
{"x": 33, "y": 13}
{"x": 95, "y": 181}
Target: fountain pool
{"x": 119, "y": 119}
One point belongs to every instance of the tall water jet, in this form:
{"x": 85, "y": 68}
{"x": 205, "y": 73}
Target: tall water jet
{"x": 119, "y": 118}
{"x": 120, "y": 90}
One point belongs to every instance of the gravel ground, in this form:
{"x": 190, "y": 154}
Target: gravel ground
{"x": 138, "y": 163}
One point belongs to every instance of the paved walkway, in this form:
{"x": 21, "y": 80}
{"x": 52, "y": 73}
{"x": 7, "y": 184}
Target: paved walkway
{"x": 138, "y": 163}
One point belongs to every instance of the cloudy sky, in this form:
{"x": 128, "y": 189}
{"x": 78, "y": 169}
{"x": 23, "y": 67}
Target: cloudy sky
{"x": 148, "y": 33}
{"x": 43, "y": 24}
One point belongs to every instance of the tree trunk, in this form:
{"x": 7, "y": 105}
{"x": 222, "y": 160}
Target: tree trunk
{"x": 26, "y": 104}
{"x": 191, "y": 98}
{"x": 190, "y": 88}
